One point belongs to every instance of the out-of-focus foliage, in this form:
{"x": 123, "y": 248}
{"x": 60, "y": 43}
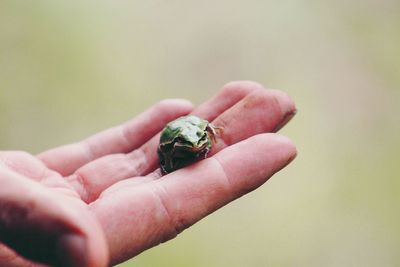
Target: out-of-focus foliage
{"x": 71, "y": 68}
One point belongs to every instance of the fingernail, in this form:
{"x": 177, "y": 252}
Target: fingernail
{"x": 72, "y": 251}
{"x": 288, "y": 116}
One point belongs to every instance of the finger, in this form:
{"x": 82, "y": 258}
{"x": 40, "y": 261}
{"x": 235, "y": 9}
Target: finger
{"x": 230, "y": 94}
{"x": 260, "y": 112}
{"x": 46, "y": 227}
{"x": 139, "y": 217}
{"x": 120, "y": 139}
{"x": 90, "y": 180}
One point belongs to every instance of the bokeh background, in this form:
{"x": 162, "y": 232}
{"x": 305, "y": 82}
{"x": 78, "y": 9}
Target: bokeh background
{"x": 71, "y": 68}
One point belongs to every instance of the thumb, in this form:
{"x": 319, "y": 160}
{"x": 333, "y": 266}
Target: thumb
{"x": 47, "y": 227}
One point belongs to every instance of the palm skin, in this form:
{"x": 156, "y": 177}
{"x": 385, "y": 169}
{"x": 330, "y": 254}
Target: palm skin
{"x": 104, "y": 200}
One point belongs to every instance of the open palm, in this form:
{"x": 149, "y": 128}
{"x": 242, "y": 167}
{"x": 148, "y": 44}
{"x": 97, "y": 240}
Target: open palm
{"x": 104, "y": 199}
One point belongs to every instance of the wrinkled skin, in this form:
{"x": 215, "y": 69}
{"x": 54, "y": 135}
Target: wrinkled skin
{"x": 103, "y": 200}
{"x": 183, "y": 141}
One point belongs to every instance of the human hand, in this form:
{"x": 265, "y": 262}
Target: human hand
{"x": 104, "y": 198}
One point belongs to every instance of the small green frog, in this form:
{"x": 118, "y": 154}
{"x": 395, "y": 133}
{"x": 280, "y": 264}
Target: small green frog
{"x": 183, "y": 141}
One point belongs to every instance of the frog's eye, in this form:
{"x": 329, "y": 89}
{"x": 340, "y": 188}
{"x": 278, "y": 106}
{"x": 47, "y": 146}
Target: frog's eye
{"x": 203, "y": 139}
{"x": 162, "y": 161}
{"x": 166, "y": 147}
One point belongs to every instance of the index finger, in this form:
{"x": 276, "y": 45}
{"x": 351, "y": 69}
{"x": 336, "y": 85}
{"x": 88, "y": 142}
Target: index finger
{"x": 119, "y": 139}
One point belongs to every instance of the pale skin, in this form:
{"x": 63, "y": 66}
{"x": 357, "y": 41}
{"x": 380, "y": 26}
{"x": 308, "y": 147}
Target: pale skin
{"x": 103, "y": 200}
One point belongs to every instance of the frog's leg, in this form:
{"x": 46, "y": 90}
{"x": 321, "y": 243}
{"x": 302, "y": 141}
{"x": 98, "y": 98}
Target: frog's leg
{"x": 213, "y": 131}
{"x": 206, "y": 150}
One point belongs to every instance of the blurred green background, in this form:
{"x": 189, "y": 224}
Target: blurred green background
{"x": 71, "y": 68}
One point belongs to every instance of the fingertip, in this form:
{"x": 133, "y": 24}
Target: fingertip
{"x": 285, "y": 101}
{"x": 286, "y": 148}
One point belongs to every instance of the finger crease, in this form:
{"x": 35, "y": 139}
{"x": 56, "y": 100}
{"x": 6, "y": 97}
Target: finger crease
{"x": 90, "y": 153}
{"x": 176, "y": 226}
{"x": 83, "y": 190}
{"x": 126, "y": 137}
{"x": 227, "y": 183}
{"x": 139, "y": 159}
